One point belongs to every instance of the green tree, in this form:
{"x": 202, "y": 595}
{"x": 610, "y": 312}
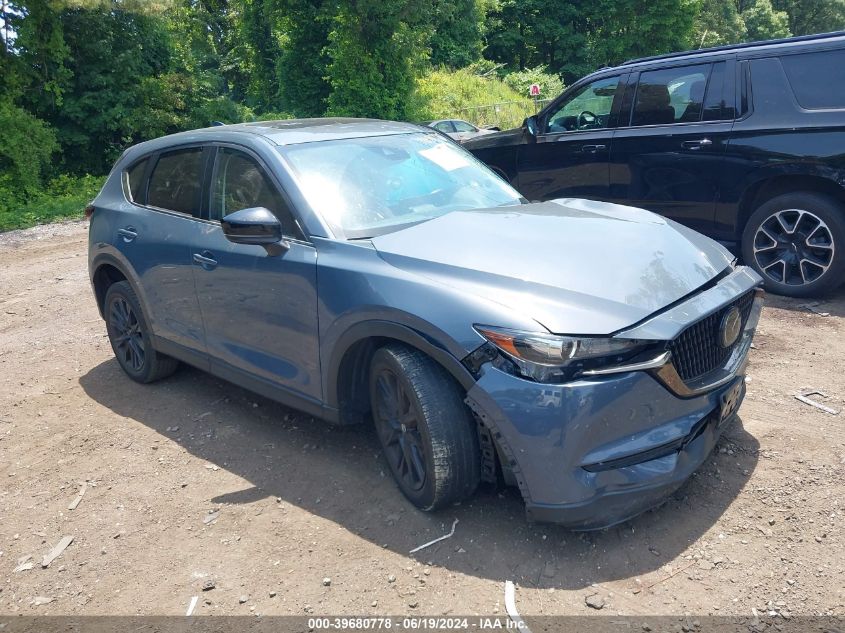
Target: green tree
{"x": 764, "y": 23}
{"x": 94, "y": 95}
{"x": 40, "y": 50}
{"x": 630, "y": 28}
{"x": 303, "y": 64}
{"x": 260, "y": 43}
{"x": 457, "y": 32}
{"x": 524, "y": 34}
{"x": 572, "y": 38}
{"x": 205, "y": 45}
{"x": 813, "y": 16}
{"x": 719, "y": 22}
{"x": 27, "y": 145}
{"x": 375, "y": 50}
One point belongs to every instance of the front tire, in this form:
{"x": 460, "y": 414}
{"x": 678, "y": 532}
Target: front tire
{"x": 129, "y": 335}
{"x": 796, "y": 242}
{"x": 427, "y": 432}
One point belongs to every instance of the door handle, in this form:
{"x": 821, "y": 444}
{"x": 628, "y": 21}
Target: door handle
{"x": 702, "y": 142}
{"x": 205, "y": 259}
{"x": 128, "y": 234}
{"x": 592, "y": 149}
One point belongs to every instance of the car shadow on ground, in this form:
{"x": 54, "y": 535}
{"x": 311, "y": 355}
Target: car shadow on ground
{"x": 830, "y": 304}
{"x": 338, "y": 473}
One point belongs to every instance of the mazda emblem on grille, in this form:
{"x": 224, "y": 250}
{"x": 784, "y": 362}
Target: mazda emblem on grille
{"x": 730, "y": 327}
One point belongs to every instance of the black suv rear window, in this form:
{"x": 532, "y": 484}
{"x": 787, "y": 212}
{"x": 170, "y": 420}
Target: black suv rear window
{"x": 817, "y": 79}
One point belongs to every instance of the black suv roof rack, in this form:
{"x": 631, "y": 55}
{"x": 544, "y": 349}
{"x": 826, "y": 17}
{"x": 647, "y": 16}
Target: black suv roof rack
{"x": 731, "y": 47}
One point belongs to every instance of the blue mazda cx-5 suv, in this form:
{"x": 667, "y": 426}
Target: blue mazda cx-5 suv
{"x": 586, "y": 352}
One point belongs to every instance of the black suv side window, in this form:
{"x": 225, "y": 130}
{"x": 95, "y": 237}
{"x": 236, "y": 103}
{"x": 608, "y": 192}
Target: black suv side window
{"x": 135, "y": 180}
{"x": 239, "y": 182}
{"x": 670, "y": 95}
{"x": 817, "y": 79}
{"x": 588, "y": 109}
{"x": 176, "y": 181}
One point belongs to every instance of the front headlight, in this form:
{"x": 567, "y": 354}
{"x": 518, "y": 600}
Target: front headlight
{"x": 550, "y": 357}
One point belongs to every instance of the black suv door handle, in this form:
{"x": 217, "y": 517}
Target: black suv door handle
{"x": 205, "y": 259}
{"x": 128, "y": 234}
{"x": 592, "y": 149}
{"x": 702, "y": 142}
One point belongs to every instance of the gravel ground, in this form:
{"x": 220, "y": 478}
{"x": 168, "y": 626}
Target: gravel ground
{"x": 196, "y": 488}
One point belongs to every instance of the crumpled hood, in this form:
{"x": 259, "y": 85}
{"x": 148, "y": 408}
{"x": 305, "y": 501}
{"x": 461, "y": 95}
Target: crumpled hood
{"x": 574, "y": 266}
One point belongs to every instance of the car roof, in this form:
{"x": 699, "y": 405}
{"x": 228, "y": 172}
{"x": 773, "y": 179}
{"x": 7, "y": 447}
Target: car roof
{"x": 294, "y": 131}
{"x": 283, "y": 132}
{"x": 761, "y": 46}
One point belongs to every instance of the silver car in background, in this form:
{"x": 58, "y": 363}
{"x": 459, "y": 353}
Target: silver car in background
{"x": 460, "y": 130}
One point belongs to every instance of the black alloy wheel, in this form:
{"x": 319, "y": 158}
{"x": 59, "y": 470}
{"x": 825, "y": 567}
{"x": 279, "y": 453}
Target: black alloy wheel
{"x": 130, "y": 338}
{"x": 399, "y": 431}
{"x": 427, "y": 432}
{"x": 128, "y": 341}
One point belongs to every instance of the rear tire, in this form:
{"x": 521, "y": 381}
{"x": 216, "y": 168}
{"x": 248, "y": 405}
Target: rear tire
{"x": 796, "y": 242}
{"x": 129, "y": 335}
{"x": 427, "y": 432}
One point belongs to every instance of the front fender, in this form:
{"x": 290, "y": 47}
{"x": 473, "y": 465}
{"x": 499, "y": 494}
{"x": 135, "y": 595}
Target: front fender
{"x": 421, "y": 336}
{"x": 361, "y": 296}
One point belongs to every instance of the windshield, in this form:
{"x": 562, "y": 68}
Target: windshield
{"x": 366, "y": 187}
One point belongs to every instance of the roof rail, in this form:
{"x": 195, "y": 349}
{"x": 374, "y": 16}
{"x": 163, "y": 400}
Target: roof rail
{"x": 731, "y": 47}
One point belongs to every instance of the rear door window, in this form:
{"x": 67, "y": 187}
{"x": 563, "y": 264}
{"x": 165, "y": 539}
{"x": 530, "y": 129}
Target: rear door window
{"x": 444, "y": 126}
{"x": 177, "y": 180}
{"x": 715, "y": 107}
{"x": 463, "y": 126}
{"x": 817, "y": 79}
{"x": 670, "y": 95}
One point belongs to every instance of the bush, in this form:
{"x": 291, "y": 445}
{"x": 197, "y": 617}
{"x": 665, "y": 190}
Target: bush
{"x": 26, "y": 149}
{"x": 550, "y": 84}
{"x": 463, "y": 94}
{"x": 221, "y": 109}
{"x": 272, "y": 116}
{"x": 64, "y": 198}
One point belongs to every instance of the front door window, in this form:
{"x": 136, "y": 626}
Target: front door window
{"x": 588, "y": 109}
{"x": 239, "y": 182}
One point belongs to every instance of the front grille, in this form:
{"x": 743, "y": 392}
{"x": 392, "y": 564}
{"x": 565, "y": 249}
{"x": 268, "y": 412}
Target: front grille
{"x": 696, "y": 351}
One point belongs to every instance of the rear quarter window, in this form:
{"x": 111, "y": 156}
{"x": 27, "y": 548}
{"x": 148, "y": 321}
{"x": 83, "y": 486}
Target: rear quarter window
{"x": 817, "y": 79}
{"x": 135, "y": 181}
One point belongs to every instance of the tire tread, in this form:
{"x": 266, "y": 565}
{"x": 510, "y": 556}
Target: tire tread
{"x": 451, "y": 427}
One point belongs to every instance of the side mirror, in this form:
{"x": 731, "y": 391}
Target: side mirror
{"x": 531, "y": 125}
{"x": 257, "y": 226}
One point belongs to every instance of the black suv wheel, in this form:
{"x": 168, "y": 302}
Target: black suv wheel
{"x": 427, "y": 432}
{"x": 797, "y": 243}
{"x": 130, "y": 339}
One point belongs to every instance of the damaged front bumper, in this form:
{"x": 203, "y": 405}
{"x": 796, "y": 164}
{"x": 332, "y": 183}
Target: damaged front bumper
{"x": 601, "y": 449}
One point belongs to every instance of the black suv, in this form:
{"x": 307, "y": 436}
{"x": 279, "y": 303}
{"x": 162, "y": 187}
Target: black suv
{"x": 745, "y": 144}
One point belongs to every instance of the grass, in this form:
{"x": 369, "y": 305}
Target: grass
{"x": 443, "y": 94}
{"x": 65, "y": 198}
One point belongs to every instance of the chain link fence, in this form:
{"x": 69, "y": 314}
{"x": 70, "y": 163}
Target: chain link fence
{"x": 505, "y": 115}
